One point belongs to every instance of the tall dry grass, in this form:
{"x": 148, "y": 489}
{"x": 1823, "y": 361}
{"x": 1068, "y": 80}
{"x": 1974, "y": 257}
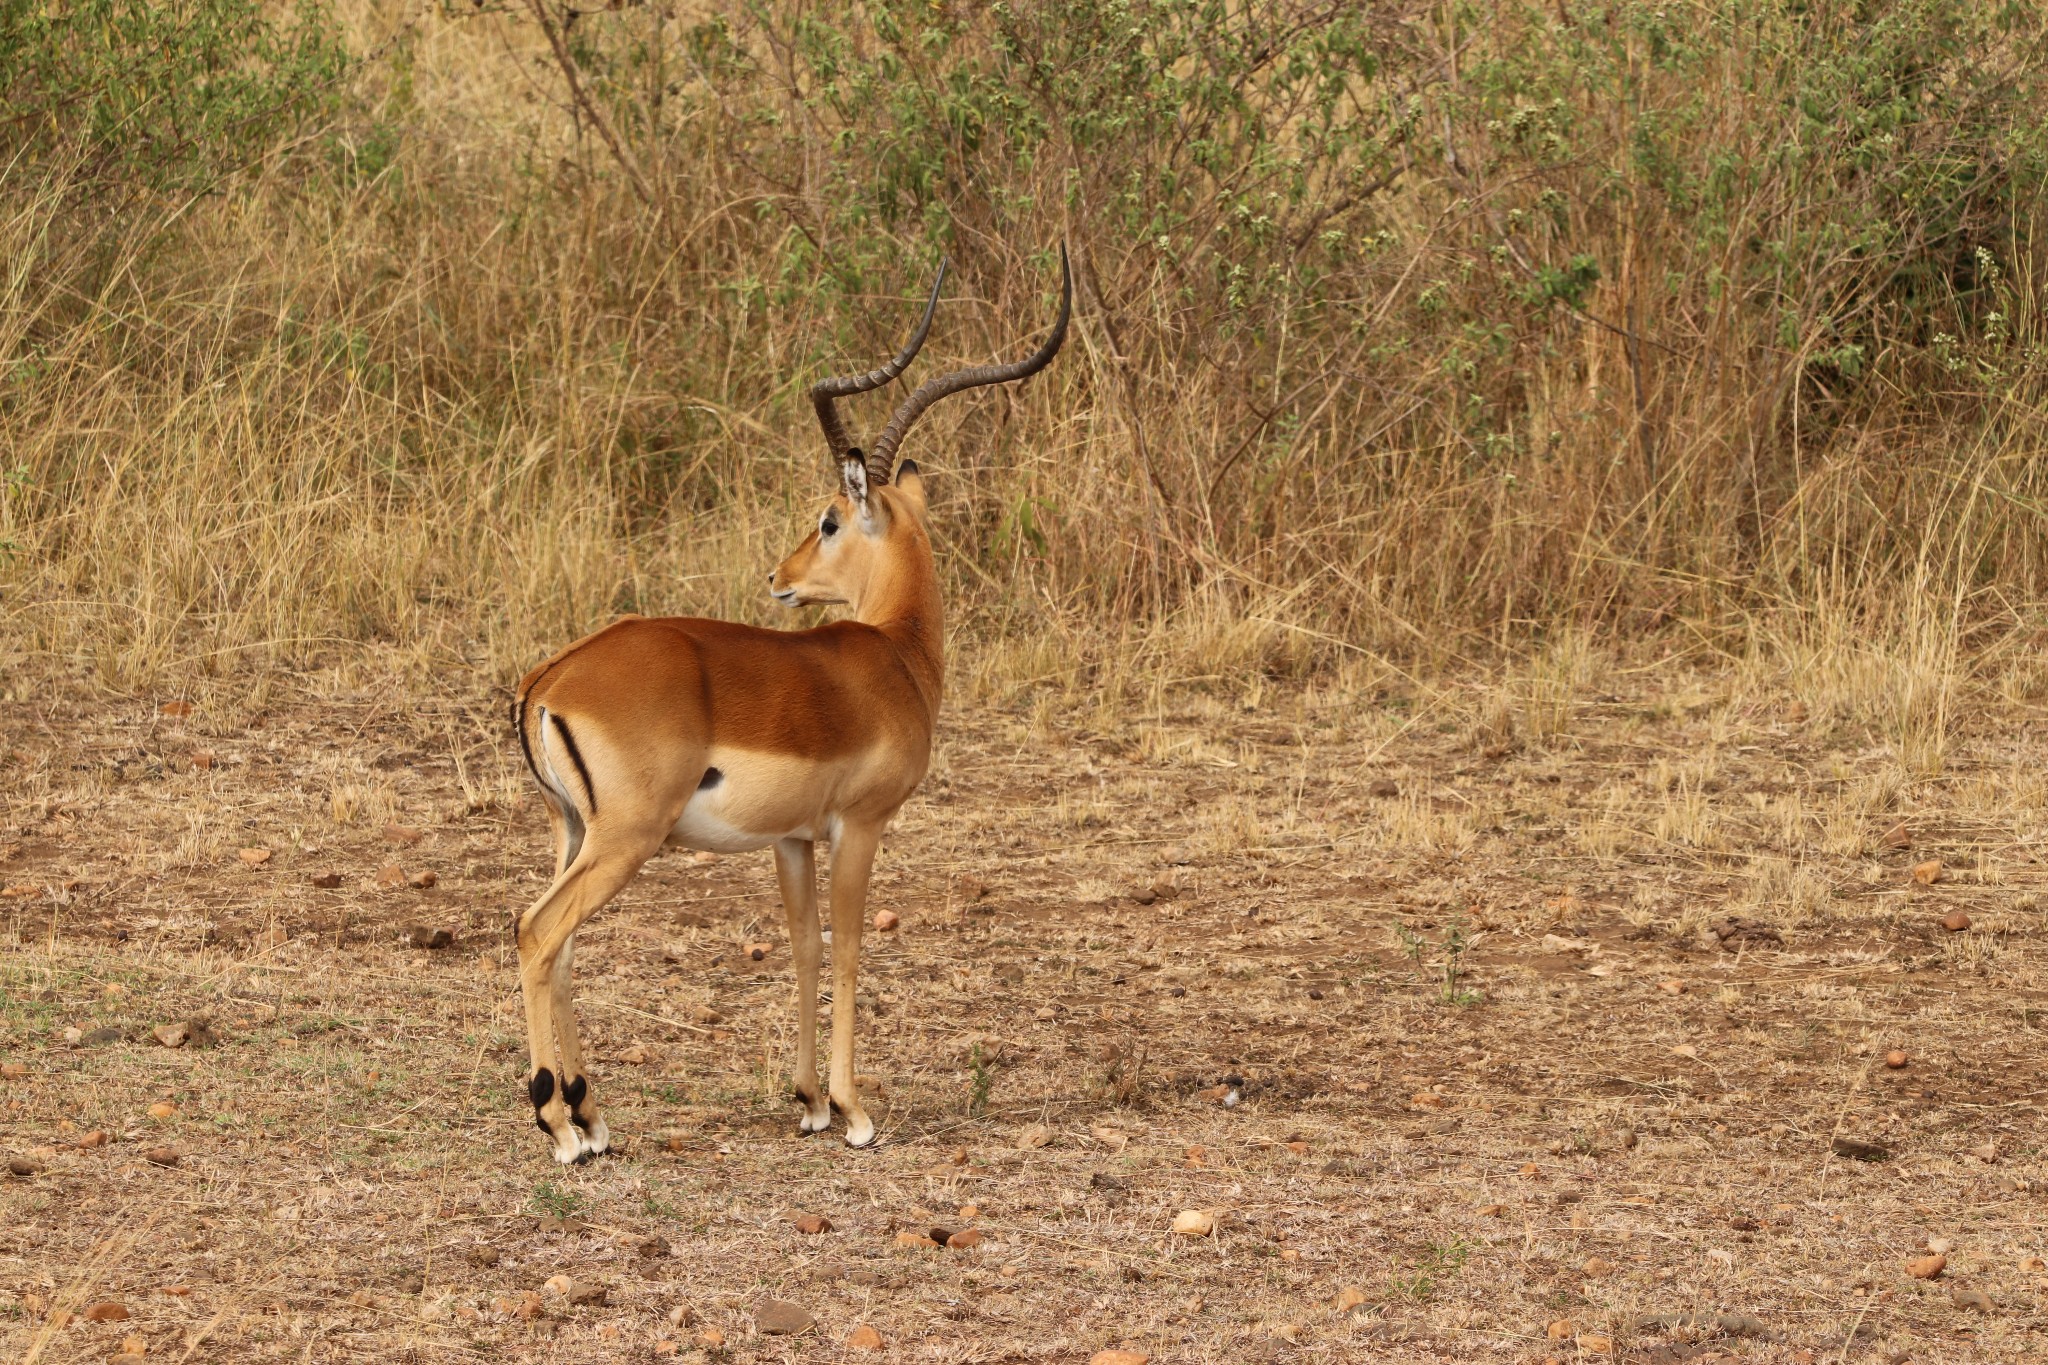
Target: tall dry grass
{"x": 1409, "y": 338}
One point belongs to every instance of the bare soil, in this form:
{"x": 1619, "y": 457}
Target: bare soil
{"x": 1497, "y": 1072}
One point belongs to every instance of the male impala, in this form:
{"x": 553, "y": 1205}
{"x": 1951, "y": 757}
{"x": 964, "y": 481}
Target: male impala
{"x": 728, "y": 737}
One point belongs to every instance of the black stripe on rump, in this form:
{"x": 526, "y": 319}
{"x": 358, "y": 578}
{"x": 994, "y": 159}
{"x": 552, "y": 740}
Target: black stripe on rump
{"x": 519, "y": 724}
{"x": 576, "y": 757}
{"x": 712, "y": 777}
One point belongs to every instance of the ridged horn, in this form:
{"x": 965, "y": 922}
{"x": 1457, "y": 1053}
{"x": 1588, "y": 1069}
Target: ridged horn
{"x": 882, "y": 456}
{"x": 825, "y": 391}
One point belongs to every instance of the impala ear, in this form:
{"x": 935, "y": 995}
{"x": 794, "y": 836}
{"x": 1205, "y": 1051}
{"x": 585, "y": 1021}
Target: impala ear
{"x": 853, "y": 477}
{"x": 909, "y": 484}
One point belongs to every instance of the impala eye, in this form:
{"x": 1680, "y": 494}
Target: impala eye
{"x": 829, "y": 526}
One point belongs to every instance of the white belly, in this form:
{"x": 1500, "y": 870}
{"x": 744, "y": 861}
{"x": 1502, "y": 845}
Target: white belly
{"x": 703, "y": 826}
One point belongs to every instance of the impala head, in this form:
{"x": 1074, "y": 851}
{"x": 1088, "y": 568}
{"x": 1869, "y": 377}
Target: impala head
{"x": 878, "y": 520}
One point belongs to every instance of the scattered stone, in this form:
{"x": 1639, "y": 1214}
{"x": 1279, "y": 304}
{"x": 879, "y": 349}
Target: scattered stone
{"x": 1927, "y": 1267}
{"x": 1034, "y": 1136}
{"x": 1194, "y": 1222}
{"x": 177, "y": 709}
{"x": 107, "y": 1310}
{"x": 389, "y": 876}
{"x": 1927, "y": 873}
{"x": 254, "y": 857}
{"x": 171, "y": 1035}
{"x": 203, "y": 759}
{"x": 1897, "y": 837}
{"x": 1671, "y": 986}
{"x": 13, "y": 1071}
{"x": 432, "y": 939}
{"x": 1560, "y": 1330}
{"x": 781, "y": 1318}
{"x": 812, "y": 1224}
{"x": 886, "y": 921}
{"x": 163, "y": 1109}
{"x": 964, "y": 1240}
{"x": 22, "y": 1167}
{"x": 559, "y": 1284}
{"x": 1594, "y": 1344}
{"x": 405, "y": 836}
{"x": 710, "y": 1339}
{"x": 1858, "y": 1150}
{"x": 1383, "y": 787}
{"x": 915, "y": 1241}
{"x": 1348, "y": 1298}
{"x": 589, "y": 1295}
{"x": 1955, "y": 921}
{"x": 96, "y": 1138}
{"x": 1118, "y": 1356}
{"x": 704, "y": 1014}
{"x": 1973, "y": 1300}
{"x": 483, "y": 1256}
{"x": 758, "y": 952}
{"x": 424, "y": 880}
{"x": 326, "y": 881}
{"x": 101, "y": 1036}
{"x": 864, "y": 1338}
{"x": 1896, "y": 1059}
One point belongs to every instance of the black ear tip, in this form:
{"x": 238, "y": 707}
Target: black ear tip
{"x": 907, "y": 467}
{"x": 852, "y": 454}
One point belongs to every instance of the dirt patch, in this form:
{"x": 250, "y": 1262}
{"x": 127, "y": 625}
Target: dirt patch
{"x": 1440, "y": 1032}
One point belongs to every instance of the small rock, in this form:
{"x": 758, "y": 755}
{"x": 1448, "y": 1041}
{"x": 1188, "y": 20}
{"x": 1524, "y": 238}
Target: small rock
{"x": 101, "y": 1036}
{"x": 203, "y": 759}
{"x": 1383, "y": 787}
{"x": 1625, "y": 1139}
{"x": 864, "y": 1338}
{"x": 781, "y": 1318}
{"x": 1927, "y": 1267}
{"x": 636, "y": 1055}
{"x": 886, "y": 921}
{"x": 432, "y": 939}
{"x": 1974, "y": 1300}
{"x": 1034, "y": 1136}
{"x": 1348, "y": 1298}
{"x": 589, "y": 1295}
{"x": 1739, "y": 929}
{"x": 529, "y": 1307}
{"x": 13, "y": 1071}
{"x": 1940, "y": 1246}
{"x": 1898, "y": 836}
{"x": 171, "y": 1035}
{"x": 483, "y": 1256}
{"x": 424, "y": 880}
{"x": 405, "y": 836}
{"x": 1927, "y": 873}
{"x": 758, "y": 952}
{"x": 1955, "y": 921}
{"x": 653, "y": 1248}
{"x": 812, "y": 1224}
{"x": 108, "y": 1310}
{"x": 326, "y": 881}
{"x": 964, "y": 1240}
{"x": 21, "y": 1167}
{"x": 1594, "y": 1344}
{"x": 1671, "y": 986}
{"x": 96, "y": 1138}
{"x": 559, "y": 1284}
{"x": 1144, "y": 895}
{"x": 390, "y": 875}
{"x": 1194, "y": 1222}
{"x": 254, "y": 857}
{"x": 710, "y": 1339}
{"x": 1560, "y": 1330}
{"x": 162, "y": 1156}
{"x": 704, "y": 1014}
{"x": 163, "y": 1109}
{"x": 915, "y": 1241}
{"x": 1895, "y": 1059}
{"x": 72, "y": 1036}
{"x": 1858, "y": 1150}
{"x": 1118, "y": 1356}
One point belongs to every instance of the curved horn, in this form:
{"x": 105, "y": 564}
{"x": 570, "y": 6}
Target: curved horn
{"x": 844, "y": 386}
{"x": 882, "y": 458}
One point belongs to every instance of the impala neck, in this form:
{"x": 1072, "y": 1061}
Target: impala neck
{"x": 902, "y": 601}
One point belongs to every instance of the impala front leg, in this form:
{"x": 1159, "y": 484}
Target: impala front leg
{"x": 853, "y": 857}
{"x": 796, "y": 869}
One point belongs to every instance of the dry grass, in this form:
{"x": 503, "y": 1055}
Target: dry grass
{"x": 356, "y": 1141}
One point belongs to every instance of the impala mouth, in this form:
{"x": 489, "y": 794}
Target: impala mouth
{"x": 786, "y": 596}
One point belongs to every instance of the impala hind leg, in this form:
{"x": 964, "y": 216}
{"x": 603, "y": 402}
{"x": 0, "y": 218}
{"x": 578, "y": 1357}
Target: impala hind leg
{"x": 853, "y": 858}
{"x": 796, "y": 871}
{"x": 560, "y": 1094}
{"x": 569, "y": 1052}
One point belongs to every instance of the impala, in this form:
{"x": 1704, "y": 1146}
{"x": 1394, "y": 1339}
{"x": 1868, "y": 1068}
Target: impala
{"x": 726, "y": 737}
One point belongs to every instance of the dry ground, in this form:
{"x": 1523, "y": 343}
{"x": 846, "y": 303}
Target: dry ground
{"x": 1499, "y": 1071}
